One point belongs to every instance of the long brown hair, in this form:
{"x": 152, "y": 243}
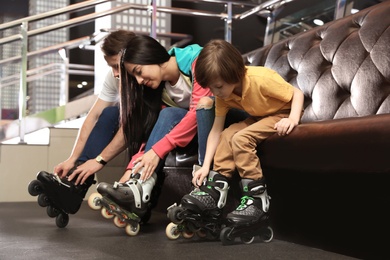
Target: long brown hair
{"x": 140, "y": 105}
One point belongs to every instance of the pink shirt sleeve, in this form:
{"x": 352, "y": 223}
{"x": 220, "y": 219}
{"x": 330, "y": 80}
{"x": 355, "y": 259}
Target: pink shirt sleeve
{"x": 182, "y": 134}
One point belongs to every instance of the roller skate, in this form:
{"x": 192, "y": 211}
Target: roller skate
{"x": 127, "y": 203}
{"x": 199, "y": 212}
{"x": 60, "y": 196}
{"x": 250, "y": 218}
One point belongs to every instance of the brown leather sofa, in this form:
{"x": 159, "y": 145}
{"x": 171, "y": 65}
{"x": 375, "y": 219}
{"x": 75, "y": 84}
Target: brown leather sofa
{"x": 329, "y": 179}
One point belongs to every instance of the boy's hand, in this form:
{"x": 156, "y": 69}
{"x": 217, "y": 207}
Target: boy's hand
{"x": 199, "y": 176}
{"x": 284, "y": 126}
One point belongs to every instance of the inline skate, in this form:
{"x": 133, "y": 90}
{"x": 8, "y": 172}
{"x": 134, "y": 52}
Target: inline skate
{"x": 200, "y": 212}
{"x": 127, "y": 203}
{"x": 250, "y": 218}
{"x": 60, "y": 196}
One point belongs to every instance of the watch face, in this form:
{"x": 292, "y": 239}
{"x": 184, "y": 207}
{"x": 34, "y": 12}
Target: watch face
{"x": 100, "y": 160}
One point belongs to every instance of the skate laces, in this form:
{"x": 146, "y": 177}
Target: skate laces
{"x": 245, "y": 202}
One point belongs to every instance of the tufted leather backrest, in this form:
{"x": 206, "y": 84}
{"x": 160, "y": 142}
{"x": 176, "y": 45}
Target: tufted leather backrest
{"x": 343, "y": 67}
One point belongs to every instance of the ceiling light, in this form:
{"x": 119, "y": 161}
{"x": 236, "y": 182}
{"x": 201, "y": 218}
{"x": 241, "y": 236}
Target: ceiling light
{"x": 354, "y": 11}
{"x": 318, "y": 22}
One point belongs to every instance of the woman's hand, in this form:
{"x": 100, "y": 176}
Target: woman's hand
{"x": 149, "y": 162}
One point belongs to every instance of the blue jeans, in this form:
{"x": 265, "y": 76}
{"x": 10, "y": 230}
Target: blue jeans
{"x": 205, "y": 120}
{"x": 169, "y": 117}
{"x": 102, "y": 133}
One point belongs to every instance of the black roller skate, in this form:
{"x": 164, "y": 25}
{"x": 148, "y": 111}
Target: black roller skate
{"x": 128, "y": 203}
{"x": 60, "y": 196}
{"x": 250, "y": 218}
{"x": 200, "y": 211}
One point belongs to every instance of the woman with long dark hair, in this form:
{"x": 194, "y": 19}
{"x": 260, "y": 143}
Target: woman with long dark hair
{"x": 151, "y": 74}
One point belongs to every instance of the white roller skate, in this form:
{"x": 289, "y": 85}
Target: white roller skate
{"x": 126, "y": 202}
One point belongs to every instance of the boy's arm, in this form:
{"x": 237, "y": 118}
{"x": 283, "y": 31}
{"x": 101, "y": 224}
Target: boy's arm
{"x": 212, "y": 143}
{"x": 296, "y": 106}
{"x": 286, "y": 125}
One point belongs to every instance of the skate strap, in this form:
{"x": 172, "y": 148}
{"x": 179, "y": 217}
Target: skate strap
{"x": 60, "y": 181}
{"x": 137, "y": 196}
{"x": 209, "y": 188}
{"x": 210, "y": 184}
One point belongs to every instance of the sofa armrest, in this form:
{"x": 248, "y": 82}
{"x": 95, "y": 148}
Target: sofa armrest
{"x": 354, "y": 145}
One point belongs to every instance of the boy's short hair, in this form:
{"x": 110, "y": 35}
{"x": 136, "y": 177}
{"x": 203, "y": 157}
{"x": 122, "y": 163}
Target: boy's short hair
{"x": 219, "y": 60}
{"x": 116, "y": 41}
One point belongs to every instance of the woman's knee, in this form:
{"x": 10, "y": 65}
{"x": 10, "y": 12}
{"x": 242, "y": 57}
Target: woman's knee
{"x": 170, "y": 113}
{"x": 205, "y": 103}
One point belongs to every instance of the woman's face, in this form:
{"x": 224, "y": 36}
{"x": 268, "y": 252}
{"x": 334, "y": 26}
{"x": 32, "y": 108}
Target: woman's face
{"x": 148, "y": 75}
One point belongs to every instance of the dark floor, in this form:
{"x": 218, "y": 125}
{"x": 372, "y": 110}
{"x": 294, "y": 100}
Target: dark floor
{"x": 26, "y": 232}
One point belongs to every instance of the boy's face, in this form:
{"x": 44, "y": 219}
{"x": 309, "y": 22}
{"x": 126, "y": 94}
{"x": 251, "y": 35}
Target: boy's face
{"x": 222, "y": 89}
{"x": 112, "y": 61}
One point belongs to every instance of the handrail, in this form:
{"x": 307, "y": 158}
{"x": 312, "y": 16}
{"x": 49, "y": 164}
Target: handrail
{"x": 184, "y": 39}
{"x": 69, "y": 44}
{"x": 94, "y": 16}
{"x": 78, "y": 6}
{"x": 271, "y": 4}
{"x": 74, "y": 69}
{"x": 170, "y": 10}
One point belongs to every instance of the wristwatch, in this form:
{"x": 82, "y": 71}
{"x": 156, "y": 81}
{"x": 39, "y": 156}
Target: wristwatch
{"x": 100, "y": 160}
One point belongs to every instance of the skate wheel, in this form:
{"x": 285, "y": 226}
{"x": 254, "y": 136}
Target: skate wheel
{"x": 225, "y": 236}
{"x": 62, "y": 220}
{"x": 52, "y": 211}
{"x": 267, "y": 234}
{"x": 201, "y": 233}
{"x": 35, "y": 188}
{"x": 247, "y": 240}
{"x": 106, "y": 214}
{"x": 172, "y": 231}
{"x": 173, "y": 214}
{"x": 92, "y": 201}
{"x": 119, "y": 223}
{"x": 188, "y": 234}
{"x": 190, "y": 226}
{"x": 132, "y": 230}
{"x": 43, "y": 200}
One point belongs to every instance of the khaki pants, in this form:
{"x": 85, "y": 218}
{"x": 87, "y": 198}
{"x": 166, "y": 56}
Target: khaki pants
{"x": 238, "y": 142}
